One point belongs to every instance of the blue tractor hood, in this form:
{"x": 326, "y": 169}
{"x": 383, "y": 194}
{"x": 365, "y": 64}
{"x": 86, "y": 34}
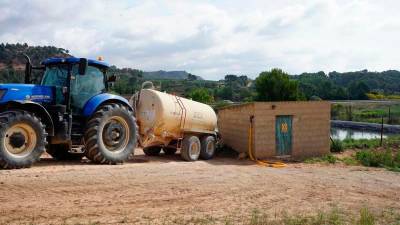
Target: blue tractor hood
{"x": 28, "y": 92}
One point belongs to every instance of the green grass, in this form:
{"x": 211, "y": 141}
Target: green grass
{"x": 361, "y": 143}
{"x": 374, "y": 158}
{"x": 334, "y": 216}
{"x": 324, "y": 159}
{"x": 366, "y": 217}
{"x": 370, "y": 112}
{"x": 369, "y": 153}
{"x": 349, "y": 161}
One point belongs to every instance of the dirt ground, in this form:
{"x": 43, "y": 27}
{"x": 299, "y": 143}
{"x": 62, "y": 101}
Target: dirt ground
{"x": 153, "y": 190}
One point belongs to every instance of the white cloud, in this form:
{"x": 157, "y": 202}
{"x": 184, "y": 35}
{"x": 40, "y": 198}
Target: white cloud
{"x": 214, "y": 38}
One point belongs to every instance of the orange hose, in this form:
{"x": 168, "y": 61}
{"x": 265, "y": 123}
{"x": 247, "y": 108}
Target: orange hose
{"x": 260, "y": 162}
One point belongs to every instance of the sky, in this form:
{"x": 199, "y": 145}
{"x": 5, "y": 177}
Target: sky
{"x": 214, "y": 38}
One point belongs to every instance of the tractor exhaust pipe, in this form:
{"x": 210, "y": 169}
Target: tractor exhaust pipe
{"x": 28, "y": 69}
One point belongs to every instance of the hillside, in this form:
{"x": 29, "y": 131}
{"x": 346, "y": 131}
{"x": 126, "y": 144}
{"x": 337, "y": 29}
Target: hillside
{"x": 170, "y": 75}
{"x": 338, "y": 86}
{"x": 11, "y": 55}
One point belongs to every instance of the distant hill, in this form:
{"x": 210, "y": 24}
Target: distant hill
{"x": 169, "y": 75}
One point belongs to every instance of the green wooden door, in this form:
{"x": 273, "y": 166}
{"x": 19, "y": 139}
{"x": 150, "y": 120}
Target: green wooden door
{"x": 283, "y": 134}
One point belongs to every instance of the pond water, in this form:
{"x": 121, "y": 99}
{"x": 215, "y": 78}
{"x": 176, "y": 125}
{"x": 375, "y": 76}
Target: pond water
{"x": 344, "y": 133}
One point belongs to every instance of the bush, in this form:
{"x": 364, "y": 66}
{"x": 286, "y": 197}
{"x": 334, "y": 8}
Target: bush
{"x": 376, "y": 158}
{"x": 397, "y": 158}
{"x": 336, "y": 146}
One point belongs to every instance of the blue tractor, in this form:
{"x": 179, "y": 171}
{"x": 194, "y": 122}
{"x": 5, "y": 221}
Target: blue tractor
{"x": 69, "y": 115}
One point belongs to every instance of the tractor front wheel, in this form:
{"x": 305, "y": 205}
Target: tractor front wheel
{"x": 22, "y": 139}
{"x": 110, "y": 135}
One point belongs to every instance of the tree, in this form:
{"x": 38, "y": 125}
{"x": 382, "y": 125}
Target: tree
{"x": 275, "y": 85}
{"x": 358, "y": 90}
{"x": 226, "y": 93}
{"x": 201, "y": 95}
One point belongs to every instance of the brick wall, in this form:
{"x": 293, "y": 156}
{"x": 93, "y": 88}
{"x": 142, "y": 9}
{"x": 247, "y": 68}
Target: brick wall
{"x": 310, "y": 127}
{"x": 233, "y": 125}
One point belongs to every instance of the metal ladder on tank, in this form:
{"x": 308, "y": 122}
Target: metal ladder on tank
{"x": 181, "y": 123}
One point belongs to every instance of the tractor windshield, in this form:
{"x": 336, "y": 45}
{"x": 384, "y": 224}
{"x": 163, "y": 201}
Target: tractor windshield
{"x": 83, "y": 87}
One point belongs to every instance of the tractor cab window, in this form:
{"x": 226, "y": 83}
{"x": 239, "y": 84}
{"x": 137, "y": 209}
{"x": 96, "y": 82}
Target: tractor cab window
{"x": 83, "y": 87}
{"x": 56, "y": 75}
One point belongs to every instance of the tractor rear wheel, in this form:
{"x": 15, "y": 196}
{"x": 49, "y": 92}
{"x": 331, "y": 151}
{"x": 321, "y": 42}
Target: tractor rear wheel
{"x": 152, "y": 151}
{"x": 22, "y": 139}
{"x": 190, "y": 148}
{"x": 61, "y": 152}
{"x": 111, "y": 134}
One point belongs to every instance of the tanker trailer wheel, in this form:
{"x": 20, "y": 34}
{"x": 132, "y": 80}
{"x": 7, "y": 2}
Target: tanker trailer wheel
{"x": 22, "y": 139}
{"x": 207, "y": 147}
{"x": 110, "y": 135}
{"x": 190, "y": 148}
{"x": 169, "y": 151}
{"x": 61, "y": 152}
{"x": 152, "y": 151}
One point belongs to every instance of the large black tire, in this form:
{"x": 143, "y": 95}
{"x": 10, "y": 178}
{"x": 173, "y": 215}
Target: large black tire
{"x": 152, "y": 151}
{"x": 61, "y": 153}
{"x": 169, "y": 151}
{"x": 111, "y": 134}
{"x": 207, "y": 147}
{"x": 22, "y": 139}
{"x": 190, "y": 150}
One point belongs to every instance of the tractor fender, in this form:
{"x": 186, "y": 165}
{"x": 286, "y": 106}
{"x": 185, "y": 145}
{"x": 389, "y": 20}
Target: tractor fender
{"x": 93, "y": 103}
{"x": 32, "y": 107}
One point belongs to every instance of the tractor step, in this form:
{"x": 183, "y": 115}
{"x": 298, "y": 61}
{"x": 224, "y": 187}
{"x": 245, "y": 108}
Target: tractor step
{"x": 77, "y": 149}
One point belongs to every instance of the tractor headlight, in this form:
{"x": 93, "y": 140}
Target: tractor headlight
{"x": 2, "y": 93}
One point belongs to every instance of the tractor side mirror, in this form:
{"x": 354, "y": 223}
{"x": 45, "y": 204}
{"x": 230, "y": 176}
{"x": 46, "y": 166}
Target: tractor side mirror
{"x": 83, "y": 64}
{"x": 112, "y": 78}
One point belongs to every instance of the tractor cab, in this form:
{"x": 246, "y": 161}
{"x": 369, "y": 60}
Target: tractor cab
{"x": 82, "y": 79}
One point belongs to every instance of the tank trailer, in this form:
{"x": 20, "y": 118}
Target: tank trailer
{"x": 171, "y": 123}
